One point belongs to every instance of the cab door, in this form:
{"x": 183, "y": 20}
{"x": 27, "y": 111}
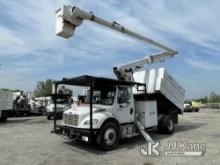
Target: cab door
{"x": 125, "y": 105}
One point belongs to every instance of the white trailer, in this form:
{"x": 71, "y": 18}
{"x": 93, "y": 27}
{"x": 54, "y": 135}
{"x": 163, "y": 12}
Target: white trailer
{"x": 123, "y": 108}
{"x": 6, "y": 104}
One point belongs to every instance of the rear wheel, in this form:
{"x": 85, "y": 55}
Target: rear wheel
{"x": 108, "y": 136}
{"x": 166, "y": 125}
{"x": 4, "y": 117}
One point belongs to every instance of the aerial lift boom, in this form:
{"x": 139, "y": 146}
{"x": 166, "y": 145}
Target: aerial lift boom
{"x": 69, "y": 17}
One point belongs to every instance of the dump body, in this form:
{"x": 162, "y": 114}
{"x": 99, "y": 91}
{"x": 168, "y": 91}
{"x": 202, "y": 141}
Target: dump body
{"x": 160, "y": 85}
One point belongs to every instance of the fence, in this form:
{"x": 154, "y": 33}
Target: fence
{"x": 212, "y": 105}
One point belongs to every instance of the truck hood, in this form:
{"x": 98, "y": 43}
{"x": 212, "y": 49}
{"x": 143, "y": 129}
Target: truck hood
{"x": 60, "y": 107}
{"x": 85, "y": 109}
{"x": 76, "y": 116}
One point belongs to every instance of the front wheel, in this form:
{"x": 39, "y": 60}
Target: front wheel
{"x": 48, "y": 117}
{"x": 108, "y": 136}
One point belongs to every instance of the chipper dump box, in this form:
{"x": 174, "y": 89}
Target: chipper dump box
{"x": 161, "y": 86}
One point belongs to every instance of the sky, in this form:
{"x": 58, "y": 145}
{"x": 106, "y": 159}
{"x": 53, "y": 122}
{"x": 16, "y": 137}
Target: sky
{"x": 30, "y": 51}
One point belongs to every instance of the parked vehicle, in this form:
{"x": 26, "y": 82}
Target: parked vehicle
{"x": 21, "y": 104}
{"x": 39, "y": 104}
{"x": 117, "y": 109}
{"x": 188, "y": 107}
{"x": 63, "y": 102}
{"x": 6, "y": 105}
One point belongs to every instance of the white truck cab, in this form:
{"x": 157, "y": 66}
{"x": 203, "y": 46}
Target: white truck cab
{"x": 114, "y": 102}
{"x": 112, "y": 111}
{"x": 62, "y": 105}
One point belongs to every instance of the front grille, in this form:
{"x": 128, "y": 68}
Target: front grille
{"x": 71, "y": 119}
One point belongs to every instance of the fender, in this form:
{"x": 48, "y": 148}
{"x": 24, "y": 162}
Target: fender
{"x": 113, "y": 119}
{"x": 102, "y": 117}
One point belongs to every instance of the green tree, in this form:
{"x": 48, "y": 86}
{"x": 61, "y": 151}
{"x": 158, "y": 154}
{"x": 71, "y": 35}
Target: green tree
{"x": 213, "y": 97}
{"x": 203, "y": 100}
{"x": 9, "y": 90}
{"x": 43, "y": 88}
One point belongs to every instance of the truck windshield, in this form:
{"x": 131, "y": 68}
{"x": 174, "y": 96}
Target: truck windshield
{"x": 101, "y": 96}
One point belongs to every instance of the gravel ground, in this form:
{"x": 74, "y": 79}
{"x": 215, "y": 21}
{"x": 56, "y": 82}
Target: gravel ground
{"x": 27, "y": 141}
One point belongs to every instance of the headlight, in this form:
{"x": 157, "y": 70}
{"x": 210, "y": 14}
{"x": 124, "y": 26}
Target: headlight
{"x": 94, "y": 122}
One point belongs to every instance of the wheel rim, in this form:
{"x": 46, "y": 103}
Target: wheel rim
{"x": 170, "y": 125}
{"x": 110, "y": 136}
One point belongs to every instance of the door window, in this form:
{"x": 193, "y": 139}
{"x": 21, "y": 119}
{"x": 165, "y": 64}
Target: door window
{"x": 123, "y": 95}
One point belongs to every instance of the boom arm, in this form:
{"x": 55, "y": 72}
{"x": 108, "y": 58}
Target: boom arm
{"x": 69, "y": 17}
{"x": 125, "y": 71}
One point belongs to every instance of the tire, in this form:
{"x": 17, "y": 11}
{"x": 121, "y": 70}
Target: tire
{"x": 4, "y": 117}
{"x": 109, "y": 136}
{"x": 21, "y": 114}
{"x": 166, "y": 125}
{"x": 48, "y": 117}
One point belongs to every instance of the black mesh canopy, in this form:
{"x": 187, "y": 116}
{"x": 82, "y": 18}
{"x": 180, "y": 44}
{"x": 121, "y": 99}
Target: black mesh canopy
{"x": 86, "y": 80}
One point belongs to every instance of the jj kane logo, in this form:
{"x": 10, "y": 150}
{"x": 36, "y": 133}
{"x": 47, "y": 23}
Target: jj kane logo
{"x": 173, "y": 148}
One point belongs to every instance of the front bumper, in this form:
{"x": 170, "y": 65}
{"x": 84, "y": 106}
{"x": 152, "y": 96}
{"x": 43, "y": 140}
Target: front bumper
{"x": 77, "y": 133}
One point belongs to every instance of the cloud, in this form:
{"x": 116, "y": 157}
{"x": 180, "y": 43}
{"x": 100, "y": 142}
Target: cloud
{"x": 11, "y": 42}
{"x": 194, "y": 22}
{"x": 197, "y": 63}
{"x": 30, "y": 26}
{"x": 31, "y": 51}
{"x": 163, "y": 21}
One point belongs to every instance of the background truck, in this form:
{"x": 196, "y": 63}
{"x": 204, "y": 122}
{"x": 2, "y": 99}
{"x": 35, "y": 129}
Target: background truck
{"x": 38, "y": 105}
{"x": 189, "y": 107}
{"x": 117, "y": 109}
{"x": 6, "y": 104}
{"x": 63, "y": 102}
{"x": 21, "y": 103}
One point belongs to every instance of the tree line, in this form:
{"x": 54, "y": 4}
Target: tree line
{"x": 44, "y": 88}
{"x": 211, "y": 98}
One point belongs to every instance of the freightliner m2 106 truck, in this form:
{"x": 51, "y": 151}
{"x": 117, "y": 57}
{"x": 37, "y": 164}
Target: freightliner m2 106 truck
{"x": 124, "y": 107}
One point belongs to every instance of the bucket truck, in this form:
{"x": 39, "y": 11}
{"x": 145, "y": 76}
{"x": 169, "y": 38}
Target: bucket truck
{"x": 124, "y": 108}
